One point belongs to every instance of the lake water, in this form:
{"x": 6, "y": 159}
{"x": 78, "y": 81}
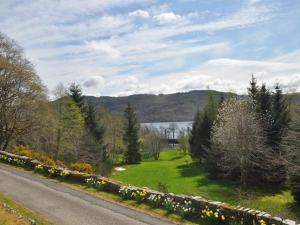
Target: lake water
{"x": 167, "y": 128}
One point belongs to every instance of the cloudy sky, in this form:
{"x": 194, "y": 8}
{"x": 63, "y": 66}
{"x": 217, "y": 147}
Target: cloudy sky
{"x": 122, "y": 47}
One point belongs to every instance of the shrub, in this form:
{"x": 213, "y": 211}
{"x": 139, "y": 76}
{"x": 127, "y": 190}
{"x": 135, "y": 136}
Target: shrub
{"x": 170, "y": 205}
{"x": 139, "y": 196}
{"x": 82, "y": 167}
{"x": 53, "y": 172}
{"x": 23, "y": 150}
{"x": 100, "y": 185}
{"x": 216, "y": 215}
{"x": 126, "y": 192}
{"x": 155, "y": 200}
{"x": 90, "y": 182}
{"x": 39, "y": 168}
{"x": 185, "y": 209}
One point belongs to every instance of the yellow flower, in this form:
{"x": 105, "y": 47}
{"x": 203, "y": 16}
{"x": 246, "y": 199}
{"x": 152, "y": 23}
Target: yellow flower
{"x": 216, "y": 214}
{"x": 222, "y": 217}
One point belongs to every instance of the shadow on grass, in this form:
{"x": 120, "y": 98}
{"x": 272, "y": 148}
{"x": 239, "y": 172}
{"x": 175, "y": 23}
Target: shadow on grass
{"x": 191, "y": 170}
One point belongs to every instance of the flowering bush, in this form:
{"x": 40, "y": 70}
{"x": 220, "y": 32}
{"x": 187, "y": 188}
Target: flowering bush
{"x": 82, "y": 167}
{"x": 39, "y": 168}
{"x": 18, "y": 162}
{"x": 53, "y": 172}
{"x": 23, "y": 150}
{"x": 64, "y": 173}
{"x": 185, "y": 209}
{"x": 155, "y": 200}
{"x": 100, "y": 184}
{"x": 90, "y": 182}
{"x": 207, "y": 213}
{"x": 139, "y": 196}
{"x": 170, "y": 205}
{"x": 262, "y": 222}
{"x": 126, "y": 192}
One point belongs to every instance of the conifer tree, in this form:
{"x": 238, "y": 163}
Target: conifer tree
{"x": 201, "y": 130}
{"x": 131, "y": 139}
{"x": 253, "y": 89}
{"x": 76, "y": 94}
{"x": 93, "y": 149}
{"x": 280, "y": 118}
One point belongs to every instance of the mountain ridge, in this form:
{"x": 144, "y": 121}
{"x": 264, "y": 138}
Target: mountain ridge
{"x": 174, "y": 107}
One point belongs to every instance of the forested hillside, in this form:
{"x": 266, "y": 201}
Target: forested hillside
{"x": 157, "y": 108}
{"x": 164, "y": 107}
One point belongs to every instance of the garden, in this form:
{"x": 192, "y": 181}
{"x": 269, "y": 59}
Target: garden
{"x": 187, "y": 207}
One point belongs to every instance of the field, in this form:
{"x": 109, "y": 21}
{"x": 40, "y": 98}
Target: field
{"x": 176, "y": 171}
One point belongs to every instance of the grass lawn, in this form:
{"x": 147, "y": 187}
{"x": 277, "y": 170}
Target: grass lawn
{"x": 180, "y": 175}
{"x": 7, "y": 218}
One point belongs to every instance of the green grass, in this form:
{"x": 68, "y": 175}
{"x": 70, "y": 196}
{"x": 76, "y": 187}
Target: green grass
{"x": 181, "y": 176}
{"x": 19, "y": 208}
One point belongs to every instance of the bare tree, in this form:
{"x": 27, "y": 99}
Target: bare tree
{"x": 291, "y": 143}
{"x": 154, "y": 142}
{"x": 20, "y": 92}
{"x": 239, "y": 148}
{"x": 183, "y": 141}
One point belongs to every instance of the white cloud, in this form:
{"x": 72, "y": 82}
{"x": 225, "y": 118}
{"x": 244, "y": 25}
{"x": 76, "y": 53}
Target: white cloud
{"x": 168, "y": 17}
{"x": 104, "y": 47}
{"x": 76, "y": 40}
{"x": 140, "y": 13}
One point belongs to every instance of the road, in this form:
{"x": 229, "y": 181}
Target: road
{"x": 62, "y": 205}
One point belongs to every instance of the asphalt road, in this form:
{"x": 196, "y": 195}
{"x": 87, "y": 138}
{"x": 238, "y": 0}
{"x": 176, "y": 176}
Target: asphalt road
{"x": 62, "y": 205}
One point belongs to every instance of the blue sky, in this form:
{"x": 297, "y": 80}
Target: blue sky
{"x": 122, "y": 47}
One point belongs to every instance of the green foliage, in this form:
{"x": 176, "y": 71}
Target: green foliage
{"x": 280, "y": 118}
{"x": 70, "y": 130}
{"x": 193, "y": 179}
{"x": 76, "y": 94}
{"x": 132, "y": 154}
{"x": 92, "y": 149}
{"x": 201, "y": 131}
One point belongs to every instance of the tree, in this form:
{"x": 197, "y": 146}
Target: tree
{"x": 131, "y": 139}
{"x": 76, "y": 94}
{"x": 183, "y": 141}
{"x": 201, "y": 129}
{"x": 280, "y": 119}
{"x": 238, "y": 145}
{"x": 291, "y": 146}
{"x": 113, "y": 133}
{"x": 72, "y": 130}
{"x": 253, "y": 89}
{"x": 21, "y": 92}
{"x": 154, "y": 143}
{"x": 94, "y": 150}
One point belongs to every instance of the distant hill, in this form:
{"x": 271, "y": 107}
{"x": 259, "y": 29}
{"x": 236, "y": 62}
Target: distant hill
{"x": 163, "y": 107}
{"x": 157, "y": 108}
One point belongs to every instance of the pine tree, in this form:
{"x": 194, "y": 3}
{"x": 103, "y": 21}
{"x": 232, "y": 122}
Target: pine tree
{"x": 264, "y": 98}
{"x": 253, "y": 90}
{"x": 201, "y": 130}
{"x": 272, "y": 112}
{"x": 280, "y": 118}
{"x": 76, "y": 94}
{"x": 93, "y": 149}
{"x": 131, "y": 139}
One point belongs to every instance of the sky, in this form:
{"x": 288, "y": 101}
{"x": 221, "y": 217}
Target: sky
{"x": 124, "y": 47}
